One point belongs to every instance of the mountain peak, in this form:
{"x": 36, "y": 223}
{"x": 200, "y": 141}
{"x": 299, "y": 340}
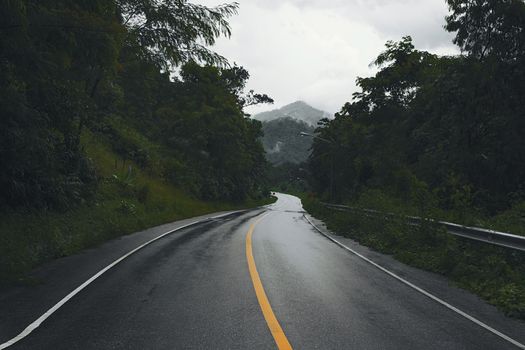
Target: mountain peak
{"x": 298, "y": 110}
{"x": 297, "y": 104}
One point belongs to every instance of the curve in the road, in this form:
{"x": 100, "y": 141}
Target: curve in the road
{"x": 35, "y": 324}
{"x": 194, "y": 290}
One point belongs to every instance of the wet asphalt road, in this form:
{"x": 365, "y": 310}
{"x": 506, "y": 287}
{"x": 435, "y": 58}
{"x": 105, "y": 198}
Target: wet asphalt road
{"x": 193, "y": 290}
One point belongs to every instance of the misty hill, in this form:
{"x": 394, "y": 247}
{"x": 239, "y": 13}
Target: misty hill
{"x": 282, "y": 142}
{"x": 281, "y": 128}
{"x": 298, "y": 110}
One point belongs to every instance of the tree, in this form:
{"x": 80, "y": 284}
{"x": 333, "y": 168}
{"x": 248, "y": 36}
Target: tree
{"x": 488, "y": 27}
{"x": 208, "y": 126}
{"x": 49, "y": 56}
{"x": 451, "y": 123}
{"x": 67, "y": 66}
{"x": 235, "y": 79}
{"x": 171, "y": 32}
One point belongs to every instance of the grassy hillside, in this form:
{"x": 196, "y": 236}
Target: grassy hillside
{"x": 128, "y": 199}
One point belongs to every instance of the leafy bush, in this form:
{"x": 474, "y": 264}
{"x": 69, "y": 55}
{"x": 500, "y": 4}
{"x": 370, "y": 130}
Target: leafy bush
{"x": 127, "y": 208}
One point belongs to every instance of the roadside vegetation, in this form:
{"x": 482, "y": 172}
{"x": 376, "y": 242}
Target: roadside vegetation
{"x": 289, "y": 178}
{"x": 116, "y": 116}
{"x": 495, "y": 274}
{"x": 436, "y": 137}
{"x": 444, "y": 132}
{"x": 128, "y": 199}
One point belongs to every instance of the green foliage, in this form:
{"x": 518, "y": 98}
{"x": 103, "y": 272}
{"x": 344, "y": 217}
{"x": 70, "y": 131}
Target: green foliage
{"x": 46, "y": 84}
{"x": 488, "y": 27}
{"x": 97, "y": 133}
{"x": 437, "y": 137}
{"x": 127, "y": 208}
{"x": 105, "y": 66}
{"x": 448, "y": 127}
{"x": 172, "y": 32}
{"x": 125, "y": 180}
{"x": 205, "y": 124}
{"x": 289, "y": 178}
{"x": 125, "y": 204}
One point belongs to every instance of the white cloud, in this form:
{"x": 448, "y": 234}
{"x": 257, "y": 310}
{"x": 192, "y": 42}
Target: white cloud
{"x": 313, "y": 50}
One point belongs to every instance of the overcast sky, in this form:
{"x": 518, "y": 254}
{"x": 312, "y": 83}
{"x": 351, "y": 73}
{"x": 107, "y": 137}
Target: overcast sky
{"x": 313, "y": 50}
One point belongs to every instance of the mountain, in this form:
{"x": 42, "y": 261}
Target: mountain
{"x": 298, "y": 110}
{"x": 282, "y": 127}
{"x": 282, "y": 141}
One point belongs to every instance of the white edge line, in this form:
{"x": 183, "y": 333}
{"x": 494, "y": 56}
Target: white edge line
{"x": 35, "y": 324}
{"x": 422, "y": 291}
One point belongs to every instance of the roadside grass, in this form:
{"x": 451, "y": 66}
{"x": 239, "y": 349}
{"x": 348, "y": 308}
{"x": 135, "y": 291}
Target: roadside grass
{"x": 495, "y": 274}
{"x": 127, "y": 200}
{"x": 423, "y": 204}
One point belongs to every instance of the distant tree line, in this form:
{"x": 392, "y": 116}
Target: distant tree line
{"x": 71, "y": 67}
{"x": 446, "y": 129}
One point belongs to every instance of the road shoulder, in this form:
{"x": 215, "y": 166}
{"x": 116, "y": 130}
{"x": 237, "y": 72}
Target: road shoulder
{"x": 437, "y": 285}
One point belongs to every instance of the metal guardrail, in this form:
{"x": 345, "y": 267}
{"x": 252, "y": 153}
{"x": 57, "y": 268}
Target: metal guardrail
{"x": 502, "y": 239}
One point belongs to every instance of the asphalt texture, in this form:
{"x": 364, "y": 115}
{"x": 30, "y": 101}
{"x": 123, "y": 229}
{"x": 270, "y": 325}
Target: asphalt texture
{"x": 192, "y": 290}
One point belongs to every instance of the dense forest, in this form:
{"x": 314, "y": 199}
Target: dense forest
{"x": 98, "y": 66}
{"x": 283, "y": 142}
{"x": 431, "y": 131}
{"x": 116, "y": 115}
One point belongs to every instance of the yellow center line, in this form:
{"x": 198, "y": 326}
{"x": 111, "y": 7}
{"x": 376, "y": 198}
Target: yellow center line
{"x": 271, "y": 320}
